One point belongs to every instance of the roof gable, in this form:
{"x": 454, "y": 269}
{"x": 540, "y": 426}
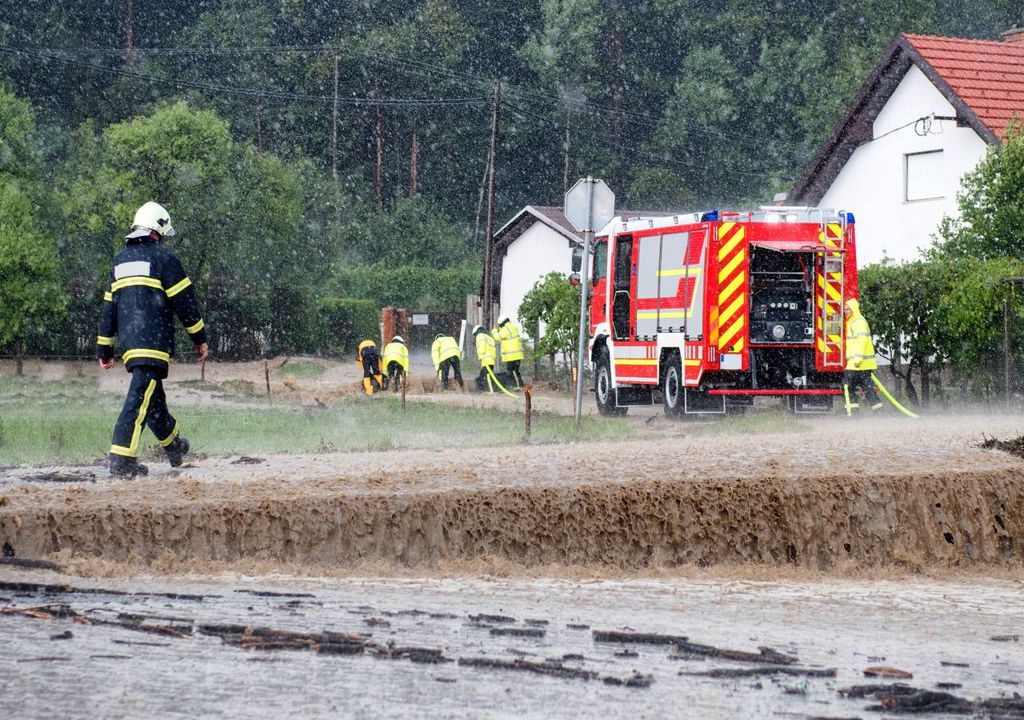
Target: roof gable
{"x": 983, "y": 80}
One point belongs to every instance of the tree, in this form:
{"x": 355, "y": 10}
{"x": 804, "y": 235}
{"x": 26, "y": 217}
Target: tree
{"x": 991, "y": 206}
{"x": 550, "y": 312}
{"x": 31, "y": 294}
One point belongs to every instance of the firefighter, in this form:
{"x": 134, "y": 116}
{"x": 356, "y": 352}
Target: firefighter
{"x": 396, "y": 363}
{"x": 511, "y": 347}
{"x": 368, "y": 359}
{"x": 487, "y": 354}
{"x": 146, "y": 289}
{"x": 860, "y": 358}
{"x": 445, "y": 354}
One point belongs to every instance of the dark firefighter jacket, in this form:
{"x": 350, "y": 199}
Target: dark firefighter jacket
{"x": 146, "y": 289}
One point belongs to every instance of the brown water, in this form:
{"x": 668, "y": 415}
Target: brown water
{"x": 840, "y": 497}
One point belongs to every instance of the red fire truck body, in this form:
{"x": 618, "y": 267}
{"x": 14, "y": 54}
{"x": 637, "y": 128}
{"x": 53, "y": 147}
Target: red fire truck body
{"x": 707, "y": 311}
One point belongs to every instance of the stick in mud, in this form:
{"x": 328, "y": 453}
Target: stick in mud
{"x": 528, "y": 396}
{"x": 638, "y": 638}
{"x": 31, "y": 564}
{"x": 756, "y": 671}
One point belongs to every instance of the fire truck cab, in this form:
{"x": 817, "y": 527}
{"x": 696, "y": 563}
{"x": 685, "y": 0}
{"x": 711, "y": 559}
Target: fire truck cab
{"x": 705, "y": 312}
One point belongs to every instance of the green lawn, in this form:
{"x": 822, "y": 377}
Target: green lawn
{"x": 71, "y": 421}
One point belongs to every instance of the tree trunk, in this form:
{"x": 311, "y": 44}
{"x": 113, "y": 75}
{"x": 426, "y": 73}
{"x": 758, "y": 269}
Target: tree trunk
{"x": 414, "y": 153}
{"x": 925, "y": 387}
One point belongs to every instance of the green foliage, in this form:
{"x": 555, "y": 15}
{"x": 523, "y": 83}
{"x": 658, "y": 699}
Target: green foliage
{"x": 410, "y": 286}
{"x": 991, "y": 206}
{"x": 345, "y": 322}
{"x": 550, "y": 311}
{"x": 31, "y": 296}
{"x": 413, "y": 232}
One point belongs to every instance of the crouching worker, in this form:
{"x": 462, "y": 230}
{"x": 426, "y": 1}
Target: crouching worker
{"x": 445, "y": 354}
{"x": 511, "y": 347}
{"x": 396, "y": 363}
{"x": 369, "y": 360}
{"x": 487, "y": 354}
{"x": 146, "y": 289}
{"x": 860, "y": 359}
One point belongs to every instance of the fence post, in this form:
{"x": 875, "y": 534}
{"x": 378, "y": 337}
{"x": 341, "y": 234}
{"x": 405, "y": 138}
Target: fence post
{"x": 528, "y": 395}
{"x": 404, "y": 379}
{"x": 266, "y": 376}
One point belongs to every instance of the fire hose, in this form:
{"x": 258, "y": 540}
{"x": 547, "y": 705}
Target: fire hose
{"x": 500, "y": 386}
{"x": 891, "y": 399}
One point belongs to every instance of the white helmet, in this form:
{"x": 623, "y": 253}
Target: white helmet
{"x": 151, "y": 217}
{"x": 503, "y": 319}
{"x": 398, "y": 338}
{"x": 477, "y": 328}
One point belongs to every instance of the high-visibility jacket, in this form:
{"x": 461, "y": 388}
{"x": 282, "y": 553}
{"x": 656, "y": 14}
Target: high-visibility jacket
{"x": 362, "y": 346}
{"x": 396, "y": 352}
{"x": 511, "y": 342}
{"x": 486, "y": 352}
{"x": 146, "y": 289}
{"x": 443, "y": 348}
{"x": 860, "y": 351}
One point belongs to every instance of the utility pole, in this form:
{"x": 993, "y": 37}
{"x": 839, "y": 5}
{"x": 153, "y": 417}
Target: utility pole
{"x": 334, "y": 124}
{"x": 379, "y": 132}
{"x": 259, "y": 129}
{"x": 129, "y": 31}
{"x": 565, "y": 173}
{"x": 492, "y": 157}
{"x": 415, "y": 152}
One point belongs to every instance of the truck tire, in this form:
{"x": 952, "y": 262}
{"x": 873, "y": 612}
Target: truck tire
{"x": 672, "y": 386}
{"x": 603, "y": 390}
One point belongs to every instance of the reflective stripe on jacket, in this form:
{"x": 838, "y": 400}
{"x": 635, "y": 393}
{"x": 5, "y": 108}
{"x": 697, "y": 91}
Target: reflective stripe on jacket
{"x": 486, "y": 351}
{"x": 443, "y": 348}
{"x": 860, "y": 351}
{"x": 147, "y": 288}
{"x": 511, "y": 342}
{"x": 396, "y": 352}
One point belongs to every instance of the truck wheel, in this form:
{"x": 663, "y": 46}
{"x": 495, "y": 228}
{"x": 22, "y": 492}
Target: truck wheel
{"x": 672, "y": 387}
{"x": 603, "y": 386}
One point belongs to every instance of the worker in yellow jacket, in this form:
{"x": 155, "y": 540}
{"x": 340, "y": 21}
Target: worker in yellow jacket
{"x": 487, "y": 354}
{"x": 445, "y": 354}
{"x": 396, "y": 363}
{"x": 860, "y": 358}
{"x": 368, "y": 358}
{"x": 511, "y": 347}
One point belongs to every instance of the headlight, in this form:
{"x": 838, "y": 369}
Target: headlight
{"x": 778, "y": 332}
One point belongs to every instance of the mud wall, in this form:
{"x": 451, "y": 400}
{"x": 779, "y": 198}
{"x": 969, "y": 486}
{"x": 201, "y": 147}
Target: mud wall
{"x": 913, "y": 521}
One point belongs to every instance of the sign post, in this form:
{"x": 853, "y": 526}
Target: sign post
{"x": 589, "y": 205}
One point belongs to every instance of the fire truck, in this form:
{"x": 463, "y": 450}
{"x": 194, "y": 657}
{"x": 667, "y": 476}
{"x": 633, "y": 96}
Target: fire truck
{"x": 705, "y": 312}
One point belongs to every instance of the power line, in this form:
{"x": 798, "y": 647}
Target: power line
{"x": 249, "y": 92}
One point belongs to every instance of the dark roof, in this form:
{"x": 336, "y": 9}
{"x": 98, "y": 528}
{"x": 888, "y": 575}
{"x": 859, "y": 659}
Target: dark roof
{"x": 982, "y": 79}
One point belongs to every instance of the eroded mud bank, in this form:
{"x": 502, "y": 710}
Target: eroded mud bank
{"x": 691, "y": 501}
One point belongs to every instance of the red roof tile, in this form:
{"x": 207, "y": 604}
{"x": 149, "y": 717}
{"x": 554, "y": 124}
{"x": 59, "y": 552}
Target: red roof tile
{"x": 988, "y": 76}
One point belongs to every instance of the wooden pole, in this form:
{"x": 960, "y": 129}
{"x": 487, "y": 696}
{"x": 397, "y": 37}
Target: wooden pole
{"x": 492, "y": 157}
{"x": 415, "y": 153}
{"x": 129, "y": 32}
{"x": 266, "y": 376}
{"x": 379, "y": 132}
{"x": 334, "y": 125}
{"x": 405, "y": 381}
{"x": 528, "y": 395}
{"x": 202, "y": 371}
{"x": 259, "y": 129}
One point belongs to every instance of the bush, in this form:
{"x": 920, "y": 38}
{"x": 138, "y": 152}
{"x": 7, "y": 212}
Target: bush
{"x": 344, "y": 323}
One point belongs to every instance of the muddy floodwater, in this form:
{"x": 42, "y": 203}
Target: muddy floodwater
{"x": 955, "y": 637}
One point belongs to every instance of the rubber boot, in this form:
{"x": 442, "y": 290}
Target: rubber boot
{"x": 368, "y": 385}
{"x": 176, "y": 451}
{"x": 126, "y": 468}
{"x": 379, "y": 382}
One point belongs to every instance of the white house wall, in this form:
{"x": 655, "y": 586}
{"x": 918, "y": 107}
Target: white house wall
{"x": 537, "y": 252}
{"x": 871, "y": 184}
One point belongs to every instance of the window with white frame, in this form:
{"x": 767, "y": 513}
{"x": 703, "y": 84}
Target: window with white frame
{"x": 922, "y": 176}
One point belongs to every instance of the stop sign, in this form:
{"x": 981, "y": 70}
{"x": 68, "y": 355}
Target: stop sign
{"x": 589, "y": 204}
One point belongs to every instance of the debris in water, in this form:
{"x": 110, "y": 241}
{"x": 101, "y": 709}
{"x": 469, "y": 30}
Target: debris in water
{"x": 638, "y": 638}
{"x": 752, "y": 672}
{"x": 692, "y": 651}
{"x": 950, "y": 663}
{"x": 484, "y": 618}
{"x": 882, "y": 671}
{"x": 61, "y": 477}
{"x": 31, "y": 564}
{"x": 66, "y": 635}
{"x": 577, "y": 626}
{"x": 246, "y": 460}
{"x": 519, "y": 632}
{"x": 797, "y": 688}
{"x": 1005, "y": 638}
{"x": 540, "y": 668}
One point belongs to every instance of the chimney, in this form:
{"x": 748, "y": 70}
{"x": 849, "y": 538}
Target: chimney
{"x": 1014, "y": 36}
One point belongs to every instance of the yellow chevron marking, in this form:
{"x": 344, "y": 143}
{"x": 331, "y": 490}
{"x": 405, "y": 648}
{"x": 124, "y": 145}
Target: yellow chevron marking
{"x": 731, "y": 244}
{"x": 731, "y": 288}
{"x": 734, "y": 329}
{"x": 733, "y": 264}
{"x": 733, "y": 309}
{"x": 738, "y": 345}
{"x": 836, "y": 230}
{"x": 724, "y": 229}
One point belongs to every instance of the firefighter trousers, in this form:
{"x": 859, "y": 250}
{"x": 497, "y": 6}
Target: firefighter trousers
{"x": 145, "y": 405}
{"x": 451, "y": 363}
{"x": 394, "y": 377}
{"x": 483, "y": 380}
{"x": 513, "y": 370}
{"x": 854, "y": 379}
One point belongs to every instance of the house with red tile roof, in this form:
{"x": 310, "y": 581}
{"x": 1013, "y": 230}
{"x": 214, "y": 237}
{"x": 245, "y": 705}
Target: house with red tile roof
{"x": 926, "y": 115}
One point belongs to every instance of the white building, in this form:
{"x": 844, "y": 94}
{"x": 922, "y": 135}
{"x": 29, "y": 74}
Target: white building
{"x": 926, "y": 116}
